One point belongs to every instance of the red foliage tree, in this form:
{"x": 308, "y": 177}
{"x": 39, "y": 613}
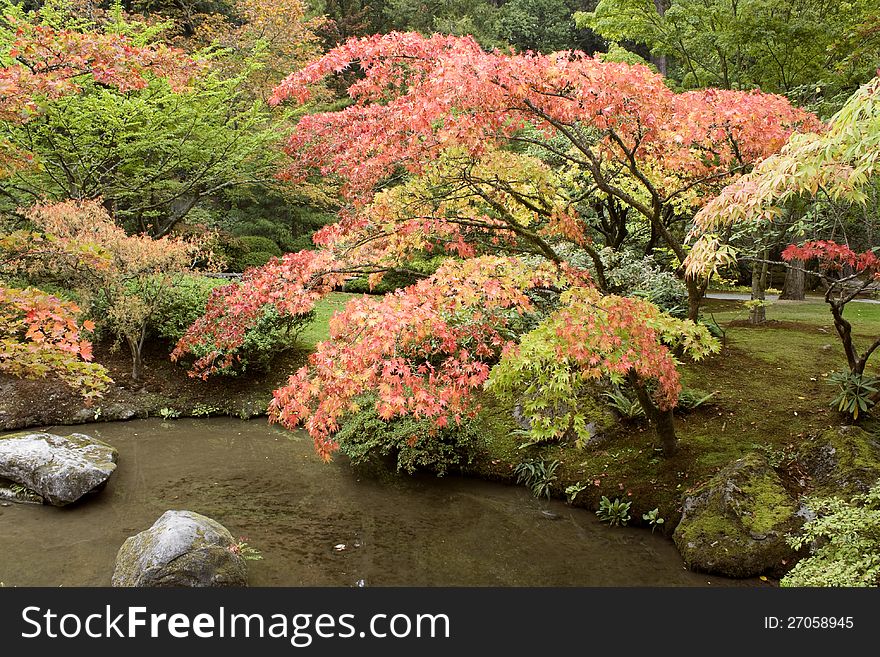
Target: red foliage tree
{"x": 846, "y": 274}
{"x": 422, "y": 351}
{"x": 39, "y": 335}
{"x": 629, "y": 136}
{"x": 48, "y": 63}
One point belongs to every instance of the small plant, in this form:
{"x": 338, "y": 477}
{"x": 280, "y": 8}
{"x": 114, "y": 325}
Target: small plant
{"x": 572, "y": 491}
{"x": 537, "y": 475}
{"x": 247, "y": 552}
{"x": 778, "y": 457}
{"x": 689, "y": 399}
{"x": 653, "y": 518}
{"x": 168, "y": 413}
{"x": 855, "y": 392}
{"x": 20, "y": 493}
{"x": 615, "y": 513}
{"x": 205, "y": 410}
{"x": 755, "y": 304}
{"x": 627, "y": 406}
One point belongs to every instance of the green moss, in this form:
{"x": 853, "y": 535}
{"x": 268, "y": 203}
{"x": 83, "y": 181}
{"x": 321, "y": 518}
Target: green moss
{"x": 736, "y": 523}
{"x": 770, "y": 504}
{"x": 625, "y": 463}
{"x": 843, "y": 460}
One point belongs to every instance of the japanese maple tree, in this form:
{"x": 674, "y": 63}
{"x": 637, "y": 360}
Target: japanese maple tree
{"x": 42, "y": 61}
{"x": 40, "y": 335}
{"x": 617, "y": 129}
{"x": 846, "y": 274}
{"x": 422, "y": 351}
{"x": 136, "y": 272}
{"x": 840, "y": 163}
{"x": 594, "y": 337}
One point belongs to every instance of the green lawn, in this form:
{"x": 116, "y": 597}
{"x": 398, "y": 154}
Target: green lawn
{"x": 319, "y": 329}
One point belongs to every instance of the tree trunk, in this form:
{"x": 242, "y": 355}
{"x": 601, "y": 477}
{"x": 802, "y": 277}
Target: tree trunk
{"x": 664, "y": 427}
{"x": 662, "y": 421}
{"x": 695, "y": 289}
{"x": 794, "y": 287}
{"x": 660, "y": 60}
{"x": 758, "y": 312}
{"x": 137, "y": 359}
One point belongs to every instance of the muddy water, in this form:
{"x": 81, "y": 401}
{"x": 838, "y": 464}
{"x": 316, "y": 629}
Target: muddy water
{"x": 267, "y": 485}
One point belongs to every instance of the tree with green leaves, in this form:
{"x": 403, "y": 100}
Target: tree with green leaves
{"x": 840, "y": 165}
{"x": 152, "y": 155}
{"x": 795, "y": 47}
{"x": 152, "y": 152}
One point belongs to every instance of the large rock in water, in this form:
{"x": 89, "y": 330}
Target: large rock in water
{"x": 61, "y": 469}
{"x": 182, "y": 548}
{"x": 735, "y": 524}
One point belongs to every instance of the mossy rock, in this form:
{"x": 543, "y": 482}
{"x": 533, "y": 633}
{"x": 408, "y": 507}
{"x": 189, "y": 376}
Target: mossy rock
{"x": 736, "y": 523}
{"x": 842, "y": 461}
{"x": 181, "y": 549}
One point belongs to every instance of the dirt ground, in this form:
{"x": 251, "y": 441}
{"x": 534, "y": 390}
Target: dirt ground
{"x": 166, "y": 390}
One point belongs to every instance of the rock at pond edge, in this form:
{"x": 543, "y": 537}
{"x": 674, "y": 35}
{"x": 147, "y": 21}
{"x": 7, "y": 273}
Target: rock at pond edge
{"x": 736, "y": 523}
{"x": 61, "y": 469}
{"x": 181, "y": 549}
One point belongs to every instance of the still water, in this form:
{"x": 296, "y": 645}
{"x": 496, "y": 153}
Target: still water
{"x": 320, "y": 524}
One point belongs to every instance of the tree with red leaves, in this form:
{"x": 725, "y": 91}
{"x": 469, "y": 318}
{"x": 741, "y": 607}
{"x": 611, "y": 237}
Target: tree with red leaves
{"x": 619, "y": 132}
{"x": 286, "y": 287}
{"x": 48, "y": 62}
{"x": 846, "y": 274}
{"x": 422, "y": 351}
{"x": 39, "y": 335}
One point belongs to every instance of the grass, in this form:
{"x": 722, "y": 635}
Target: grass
{"x": 319, "y": 329}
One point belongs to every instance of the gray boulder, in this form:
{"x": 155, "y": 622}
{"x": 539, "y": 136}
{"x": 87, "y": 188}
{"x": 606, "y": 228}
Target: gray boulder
{"x": 60, "y": 469}
{"x": 182, "y": 548}
{"x": 736, "y": 523}
{"x": 842, "y": 461}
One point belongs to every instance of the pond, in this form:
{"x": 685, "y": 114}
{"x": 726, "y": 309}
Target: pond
{"x": 320, "y": 524}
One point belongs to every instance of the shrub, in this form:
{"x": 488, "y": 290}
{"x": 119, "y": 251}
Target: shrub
{"x": 631, "y": 275}
{"x": 855, "y": 392}
{"x": 241, "y": 253}
{"x": 845, "y": 543}
{"x": 414, "y": 443}
{"x": 182, "y": 304}
{"x": 253, "y": 259}
{"x": 272, "y": 335}
{"x": 391, "y": 281}
{"x": 256, "y": 244}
